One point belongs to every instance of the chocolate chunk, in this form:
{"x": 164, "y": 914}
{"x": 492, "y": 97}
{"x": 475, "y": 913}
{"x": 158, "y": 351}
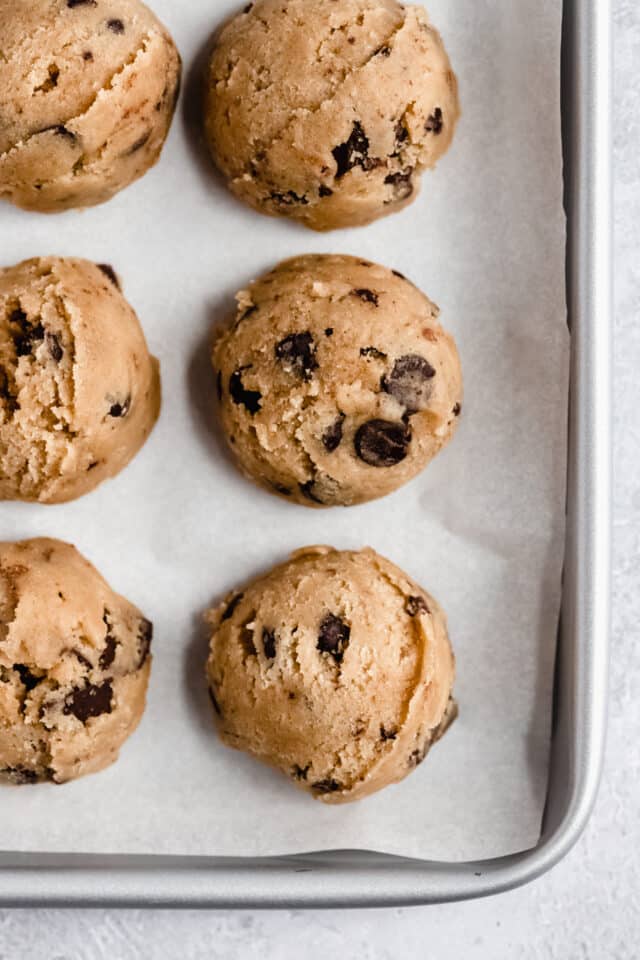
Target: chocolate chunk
{"x": 383, "y": 443}
{"x": 372, "y": 352}
{"x": 410, "y": 382}
{"x": 138, "y": 144}
{"x": 416, "y": 605}
{"x": 297, "y": 353}
{"x": 367, "y": 295}
{"x": 300, "y": 773}
{"x": 87, "y": 55}
{"x": 328, "y": 332}
{"x": 216, "y": 705}
{"x": 54, "y": 347}
{"x": 248, "y": 398}
{"x": 402, "y": 135}
{"x": 231, "y": 606}
{"x": 435, "y": 123}
{"x": 389, "y": 734}
{"x": 81, "y": 3}
{"x": 332, "y": 436}
{"x": 91, "y": 700}
{"x": 93, "y": 465}
{"x": 288, "y": 199}
{"x": 457, "y": 410}
{"x": 108, "y": 655}
{"x": 402, "y": 184}
{"x": 29, "y": 333}
{"x": 20, "y": 775}
{"x": 115, "y": 25}
{"x": 354, "y": 152}
{"x": 326, "y": 786}
{"x": 109, "y": 272}
{"x": 325, "y": 191}
{"x": 145, "y": 636}
{"x": 269, "y": 643}
{"x": 29, "y": 679}
{"x": 117, "y": 410}
{"x": 333, "y": 636}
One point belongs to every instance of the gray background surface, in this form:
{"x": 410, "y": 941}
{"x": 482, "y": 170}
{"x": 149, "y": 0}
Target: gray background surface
{"x": 589, "y": 906}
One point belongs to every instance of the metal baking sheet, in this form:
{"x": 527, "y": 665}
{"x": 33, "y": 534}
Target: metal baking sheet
{"x": 344, "y": 878}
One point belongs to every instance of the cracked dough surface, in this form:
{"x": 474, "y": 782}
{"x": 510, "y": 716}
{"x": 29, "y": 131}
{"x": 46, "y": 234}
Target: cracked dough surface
{"x": 87, "y": 93}
{"x": 74, "y": 664}
{"x": 335, "y": 668}
{"x": 79, "y": 391}
{"x": 337, "y": 383}
{"x": 328, "y": 111}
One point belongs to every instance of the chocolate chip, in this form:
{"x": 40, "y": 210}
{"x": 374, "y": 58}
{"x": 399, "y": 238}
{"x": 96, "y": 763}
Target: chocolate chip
{"x": 54, "y": 347}
{"x": 29, "y": 333}
{"x": 60, "y": 131}
{"x": 216, "y": 705}
{"x": 300, "y": 773}
{"x": 333, "y": 636}
{"x": 328, "y": 332}
{"x": 248, "y": 398}
{"x": 457, "y": 410}
{"x": 10, "y": 400}
{"x": 247, "y": 641}
{"x": 117, "y": 410}
{"x": 372, "y": 352}
{"x": 116, "y": 26}
{"x": 91, "y": 700}
{"x": 20, "y": 775}
{"x": 402, "y": 184}
{"x": 138, "y": 144}
{"x": 401, "y": 134}
{"x": 308, "y": 491}
{"x": 248, "y": 8}
{"x": 108, "y": 655}
{"x": 288, "y": 199}
{"x": 81, "y": 3}
{"x": 297, "y": 353}
{"x": 87, "y": 55}
{"x": 29, "y": 679}
{"x": 269, "y": 643}
{"x": 326, "y": 786}
{"x": 145, "y": 636}
{"x": 109, "y": 272}
{"x": 332, "y": 436}
{"x": 93, "y": 465}
{"x": 354, "y": 152}
{"x": 231, "y": 606}
{"x": 410, "y": 382}
{"x": 325, "y": 191}
{"x": 435, "y": 123}
{"x": 389, "y": 734}
{"x": 416, "y": 605}
{"x": 383, "y": 443}
{"x": 367, "y": 295}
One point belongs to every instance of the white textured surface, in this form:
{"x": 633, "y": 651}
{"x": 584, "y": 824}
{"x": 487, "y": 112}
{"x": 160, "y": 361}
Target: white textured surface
{"x": 589, "y": 907}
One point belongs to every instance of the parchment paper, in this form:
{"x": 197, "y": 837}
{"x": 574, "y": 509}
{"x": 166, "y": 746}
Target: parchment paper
{"x": 482, "y": 528}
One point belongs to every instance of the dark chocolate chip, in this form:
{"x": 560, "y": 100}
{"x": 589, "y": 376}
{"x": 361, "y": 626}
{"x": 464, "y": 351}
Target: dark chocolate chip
{"x": 410, "y": 382}
{"x": 216, "y": 705}
{"x": 333, "y": 636}
{"x": 416, "y": 605}
{"x": 138, "y": 144}
{"x": 231, "y": 606}
{"x": 87, "y": 55}
{"x": 332, "y": 436}
{"x": 117, "y": 410}
{"x": 248, "y": 398}
{"x": 300, "y": 773}
{"x": 20, "y": 775}
{"x": 29, "y": 679}
{"x": 383, "y": 443}
{"x": 457, "y": 410}
{"x": 91, "y": 700}
{"x": 93, "y": 465}
{"x": 389, "y": 734}
{"x": 109, "y": 272}
{"x": 108, "y": 655}
{"x": 54, "y": 347}
{"x": 289, "y": 199}
{"x": 145, "y": 636}
{"x": 372, "y": 352}
{"x": 269, "y": 643}
{"x": 115, "y": 25}
{"x": 401, "y": 134}
{"x": 297, "y": 353}
{"x": 354, "y": 152}
{"x": 325, "y": 191}
{"x": 435, "y": 123}
{"x": 29, "y": 333}
{"x": 328, "y": 332}
{"x": 367, "y": 295}
{"x": 326, "y": 786}
{"x": 81, "y": 3}
{"x": 402, "y": 184}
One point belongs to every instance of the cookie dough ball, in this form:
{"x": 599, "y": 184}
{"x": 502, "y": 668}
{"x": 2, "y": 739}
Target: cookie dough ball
{"x": 328, "y": 111}
{"x": 337, "y": 384}
{"x": 79, "y": 392}
{"x": 335, "y": 668}
{"x": 87, "y": 92}
{"x": 74, "y": 664}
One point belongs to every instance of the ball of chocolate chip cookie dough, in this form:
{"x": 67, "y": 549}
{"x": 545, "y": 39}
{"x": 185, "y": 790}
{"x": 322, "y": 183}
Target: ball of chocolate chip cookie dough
{"x": 335, "y": 668}
{"x": 337, "y": 384}
{"x": 329, "y": 111}
{"x": 74, "y": 664}
{"x": 79, "y": 391}
{"x": 87, "y": 93}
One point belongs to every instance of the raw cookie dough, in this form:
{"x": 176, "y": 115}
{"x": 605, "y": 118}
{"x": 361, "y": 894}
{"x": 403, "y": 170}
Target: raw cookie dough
{"x": 328, "y": 111}
{"x": 337, "y": 384}
{"x": 79, "y": 392}
{"x": 335, "y": 668}
{"x": 87, "y": 93}
{"x": 74, "y": 664}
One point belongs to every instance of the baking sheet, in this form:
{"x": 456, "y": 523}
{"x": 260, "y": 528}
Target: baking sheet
{"x": 482, "y": 528}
